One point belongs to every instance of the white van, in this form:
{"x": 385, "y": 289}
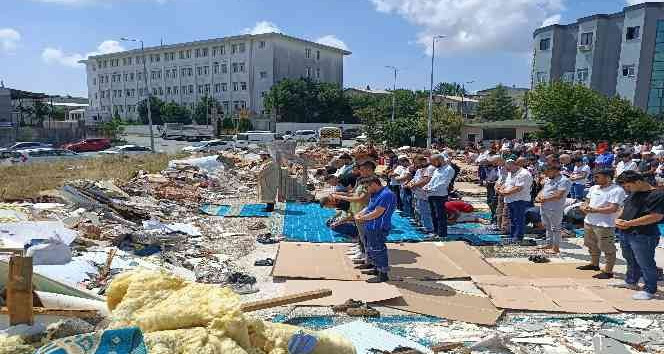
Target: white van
{"x": 243, "y": 140}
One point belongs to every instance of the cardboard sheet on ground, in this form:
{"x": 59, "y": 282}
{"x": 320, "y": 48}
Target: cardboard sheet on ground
{"x": 366, "y": 337}
{"x": 468, "y": 258}
{"x": 342, "y": 291}
{"x": 314, "y": 261}
{"x": 621, "y": 299}
{"x": 542, "y": 270}
{"x": 423, "y": 261}
{"x": 550, "y": 295}
{"x": 429, "y": 298}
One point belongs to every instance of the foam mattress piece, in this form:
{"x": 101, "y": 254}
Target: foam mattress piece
{"x": 430, "y": 298}
{"x": 342, "y": 291}
{"x": 179, "y": 317}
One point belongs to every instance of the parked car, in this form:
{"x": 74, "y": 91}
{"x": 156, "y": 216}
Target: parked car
{"x": 126, "y": 150}
{"x": 48, "y": 155}
{"x": 245, "y": 140}
{"x": 362, "y": 138}
{"x": 351, "y": 133}
{"x": 87, "y": 145}
{"x": 8, "y": 158}
{"x": 211, "y": 146}
{"x": 305, "y": 135}
{"x": 26, "y": 145}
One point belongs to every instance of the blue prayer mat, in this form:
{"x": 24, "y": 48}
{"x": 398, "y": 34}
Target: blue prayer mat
{"x": 306, "y": 223}
{"x": 118, "y": 341}
{"x": 241, "y": 211}
{"x": 215, "y": 210}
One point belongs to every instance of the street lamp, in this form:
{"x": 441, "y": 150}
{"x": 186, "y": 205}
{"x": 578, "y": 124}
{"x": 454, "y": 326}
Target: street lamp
{"x": 145, "y": 78}
{"x": 463, "y": 94}
{"x": 394, "y": 97}
{"x": 433, "y": 55}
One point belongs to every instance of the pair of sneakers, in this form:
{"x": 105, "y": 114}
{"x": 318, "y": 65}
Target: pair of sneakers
{"x": 640, "y": 295}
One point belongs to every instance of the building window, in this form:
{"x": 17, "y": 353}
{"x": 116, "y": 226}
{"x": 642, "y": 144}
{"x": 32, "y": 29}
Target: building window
{"x": 582, "y": 75}
{"x": 191, "y": 89}
{"x": 263, "y": 93}
{"x": 545, "y": 44}
{"x": 184, "y": 89}
{"x": 207, "y": 88}
{"x": 206, "y": 70}
{"x": 224, "y": 87}
{"x": 242, "y": 67}
{"x": 586, "y": 38}
{"x": 541, "y": 77}
{"x": 568, "y": 76}
{"x": 235, "y": 86}
{"x": 629, "y": 70}
{"x": 188, "y": 53}
{"x": 224, "y": 68}
{"x": 94, "y": 81}
{"x": 199, "y": 70}
{"x": 198, "y": 52}
{"x": 236, "y": 67}
{"x": 308, "y": 72}
{"x": 633, "y": 33}
{"x": 241, "y": 47}
{"x": 225, "y": 104}
{"x": 263, "y": 74}
{"x": 167, "y": 74}
{"x": 243, "y": 86}
{"x": 129, "y": 61}
{"x": 95, "y": 95}
{"x": 222, "y": 49}
{"x": 200, "y": 89}
{"x": 161, "y": 91}
{"x": 168, "y": 90}
{"x": 307, "y": 53}
{"x": 318, "y": 73}
{"x": 261, "y": 44}
{"x": 205, "y": 52}
{"x": 182, "y": 54}
{"x": 175, "y": 90}
{"x": 318, "y": 55}
{"x": 233, "y": 48}
{"x": 217, "y": 87}
{"x": 190, "y": 71}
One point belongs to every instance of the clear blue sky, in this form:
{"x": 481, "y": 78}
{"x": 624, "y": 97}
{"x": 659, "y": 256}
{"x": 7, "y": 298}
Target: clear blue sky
{"x": 489, "y": 40}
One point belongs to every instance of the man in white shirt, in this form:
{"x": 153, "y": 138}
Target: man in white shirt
{"x": 437, "y": 190}
{"x": 579, "y": 178}
{"x": 395, "y": 185}
{"x": 552, "y": 199}
{"x": 420, "y": 179}
{"x": 602, "y": 209}
{"x": 625, "y": 164}
{"x": 516, "y": 191}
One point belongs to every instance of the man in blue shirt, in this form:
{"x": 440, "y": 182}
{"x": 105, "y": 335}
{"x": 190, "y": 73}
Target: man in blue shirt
{"x": 437, "y": 190}
{"x": 376, "y": 219}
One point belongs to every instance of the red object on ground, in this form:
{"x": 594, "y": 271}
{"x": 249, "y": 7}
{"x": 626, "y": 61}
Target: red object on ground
{"x": 86, "y": 145}
{"x": 459, "y": 206}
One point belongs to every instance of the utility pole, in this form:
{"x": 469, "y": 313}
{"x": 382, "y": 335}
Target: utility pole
{"x": 433, "y": 55}
{"x": 394, "y": 89}
{"x": 147, "y": 87}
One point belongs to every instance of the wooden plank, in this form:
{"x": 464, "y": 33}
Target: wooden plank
{"x": 58, "y": 312}
{"x": 285, "y": 300}
{"x": 19, "y": 291}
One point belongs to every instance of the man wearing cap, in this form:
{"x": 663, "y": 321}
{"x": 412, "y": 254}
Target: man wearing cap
{"x": 639, "y": 233}
{"x": 516, "y": 191}
{"x": 602, "y": 209}
{"x": 437, "y": 190}
{"x": 552, "y": 196}
{"x": 268, "y": 180}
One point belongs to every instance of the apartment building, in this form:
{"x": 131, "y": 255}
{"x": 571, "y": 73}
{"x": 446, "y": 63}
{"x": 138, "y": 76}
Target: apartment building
{"x": 238, "y": 71}
{"x": 615, "y": 54}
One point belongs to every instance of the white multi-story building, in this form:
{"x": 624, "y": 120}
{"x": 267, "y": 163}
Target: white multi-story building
{"x": 238, "y": 71}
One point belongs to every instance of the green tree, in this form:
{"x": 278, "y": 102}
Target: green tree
{"x": 58, "y": 113}
{"x": 449, "y": 89}
{"x": 172, "y": 112}
{"x": 445, "y": 124}
{"x": 203, "y": 109}
{"x": 156, "y": 106}
{"x": 498, "y": 106}
{"x": 113, "y": 128}
{"x": 304, "y": 100}
{"x": 228, "y": 125}
{"x": 244, "y": 125}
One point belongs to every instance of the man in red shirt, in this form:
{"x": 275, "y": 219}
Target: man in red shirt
{"x": 459, "y": 211}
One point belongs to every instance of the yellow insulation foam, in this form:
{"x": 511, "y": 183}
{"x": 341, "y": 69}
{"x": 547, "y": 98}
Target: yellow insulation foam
{"x": 179, "y": 317}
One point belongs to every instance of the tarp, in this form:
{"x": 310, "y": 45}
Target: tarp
{"x": 243, "y": 211}
{"x": 207, "y": 163}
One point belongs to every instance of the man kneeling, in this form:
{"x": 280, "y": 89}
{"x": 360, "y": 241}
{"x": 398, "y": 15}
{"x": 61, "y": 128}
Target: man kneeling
{"x": 376, "y": 219}
{"x": 343, "y": 222}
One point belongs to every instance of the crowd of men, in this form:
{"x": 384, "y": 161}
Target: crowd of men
{"x": 615, "y": 192}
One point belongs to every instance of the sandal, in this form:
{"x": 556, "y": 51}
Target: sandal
{"x": 539, "y": 259}
{"x": 267, "y": 262}
{"x": 363, "y": 311}
{"x": 266, "y": 239}
{"x": 350, "y": 303}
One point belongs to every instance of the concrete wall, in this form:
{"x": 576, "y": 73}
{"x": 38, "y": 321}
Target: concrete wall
{"x": 543, "y": 58}
{"x": 607, "y": 55}
{"x": 630, "y": 54}
{"x": 56, "y": 133}
{"x": 5, "y": 105}
{"x": 290, "y": 62}
{"x": 648, "y": 39}
{"x": 283, "y": 127}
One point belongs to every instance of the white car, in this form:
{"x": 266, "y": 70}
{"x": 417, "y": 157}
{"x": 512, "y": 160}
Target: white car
{"x": 24, "y": 145}
{"x": 126, "y": 150}
{"x": 8, "y": 158}
{"x": 210, "y": 146}
{"x": 48, "y": 155}
{"x": 362, "y": 138}
{"x": 305, "y": 135}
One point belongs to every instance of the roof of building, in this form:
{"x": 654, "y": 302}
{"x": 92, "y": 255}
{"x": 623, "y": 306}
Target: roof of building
{"x": 457, "y": 98}
{"x": 215, "y": 40}
{"x": 70, "y": 104}
{"x": 509, "y": 88}
{"x": 18, "y": 94}
{"x": 513, "y": 123}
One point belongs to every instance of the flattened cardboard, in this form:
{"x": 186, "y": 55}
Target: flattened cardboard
{"x": 573, "y": 299}
{"x": 467, "y": 258}
{"x": 543, "y": 270}
{"x": 622, "y": 300}
{"x": 438, "y": 300}
{"x": 422, "y": 261}
{"x": 520, "y": 297}
{"x": 342, "y": 291}
{"x": 314, "y": 261}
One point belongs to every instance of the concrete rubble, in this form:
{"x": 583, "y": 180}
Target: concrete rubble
{"x": 152, "y": 221}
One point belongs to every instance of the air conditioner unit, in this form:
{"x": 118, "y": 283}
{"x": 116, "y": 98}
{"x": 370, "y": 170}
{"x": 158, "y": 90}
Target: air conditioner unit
{"x": 585, "y": 47}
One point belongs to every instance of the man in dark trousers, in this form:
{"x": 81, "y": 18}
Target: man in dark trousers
{"x": 376, "y": 219}
{"x": 639, "y": 233}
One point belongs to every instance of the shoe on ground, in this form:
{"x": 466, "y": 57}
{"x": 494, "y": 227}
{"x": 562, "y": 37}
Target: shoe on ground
{"x": 589, "y": 267}
{"x": 363, "y": 311}
{"x": 369, "y": 272}
{"x": 643, "y": 295}
{"x": 364, "y": 266}
{"x": 603, "y": 275}
{"x": 352, "y": 251}
{"x": 350, "y": 303}
{"x": 626, "y": 286}
{"x": 380, "y": 278}
{"x": 357, "y": 256}
{"x": 359, "y": 261}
